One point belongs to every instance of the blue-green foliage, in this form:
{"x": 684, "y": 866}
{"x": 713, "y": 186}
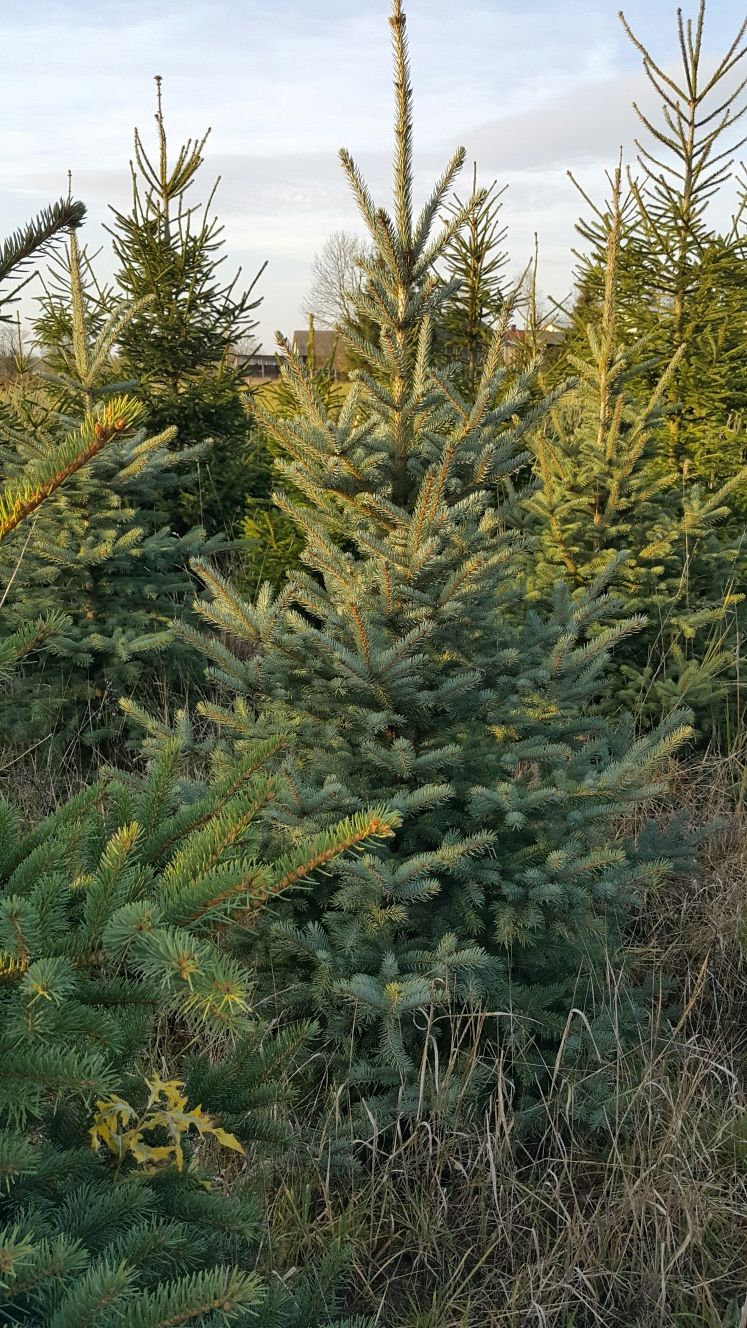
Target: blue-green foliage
{"x": 187, "y": 342}
{"x": 395, "y": 660}
{"x": 98, "y": 545}
{"x": 111, "y": 914}
{"x": 606, "y": 487}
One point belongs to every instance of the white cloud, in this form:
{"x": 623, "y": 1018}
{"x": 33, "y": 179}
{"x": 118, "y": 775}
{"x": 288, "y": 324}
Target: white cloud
{"x": 529, "y": 90}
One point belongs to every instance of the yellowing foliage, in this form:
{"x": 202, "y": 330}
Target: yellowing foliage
{"x": 118, "y": 1126}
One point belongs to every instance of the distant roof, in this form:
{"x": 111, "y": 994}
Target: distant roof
{"x": 550, "y": 335}
{"x": 327, "y": 346}
{"x": 324, "y": 343}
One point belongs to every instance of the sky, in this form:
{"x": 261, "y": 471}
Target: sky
{"x": 531, "y": 89}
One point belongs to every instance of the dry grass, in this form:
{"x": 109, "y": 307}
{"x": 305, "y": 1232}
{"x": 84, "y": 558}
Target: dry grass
{"x": 456, "y": 1223}
{"x": 699, "y": 922}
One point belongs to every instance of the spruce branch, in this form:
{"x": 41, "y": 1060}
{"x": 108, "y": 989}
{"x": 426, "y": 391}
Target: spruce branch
{"x": 32, "y": 240}
{"x": 98, "y": 430}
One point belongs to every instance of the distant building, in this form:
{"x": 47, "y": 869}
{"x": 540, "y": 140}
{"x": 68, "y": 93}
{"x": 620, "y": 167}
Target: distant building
{"x": 549, "y": 338}
{"x": 328, "y": 348}
{"x": 261, "y": 366}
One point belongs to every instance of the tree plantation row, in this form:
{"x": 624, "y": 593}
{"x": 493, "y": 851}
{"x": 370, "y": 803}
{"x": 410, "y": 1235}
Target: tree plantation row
{"x": 371, "y": 745}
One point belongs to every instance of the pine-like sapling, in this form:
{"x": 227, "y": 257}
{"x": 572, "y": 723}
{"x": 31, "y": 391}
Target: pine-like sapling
{"x": 395, "y": 660}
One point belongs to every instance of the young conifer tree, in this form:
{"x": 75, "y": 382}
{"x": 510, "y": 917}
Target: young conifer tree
{"x": 681, "y": 274}
{"x": 99, "y": 544}
{"x": 24, "y": 494}
{"x": 125, "y": 1022}
{"x": 395, "y": 659}
{"x": 271, "y": 541}
{"x": 182, "y": 346}
{"x": 605, "y": 490}
{"x": 475, "y": 259}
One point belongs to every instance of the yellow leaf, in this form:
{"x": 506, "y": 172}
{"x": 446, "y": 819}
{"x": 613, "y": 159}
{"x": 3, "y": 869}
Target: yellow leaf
{"x": 146, "y": 1153}
{"x": 167, "y": 1110}
{"x": 176, "y": 1100}
{"x": 226, "y": 1139}
{"x": 100, "y": 1134}
{"x": 115, "y": 1106}
{"x": 200, "y": 1119}
{"x": 176, "y": 1122}
{"x": 168, "y": 1089}
{"x": 109, "y": 1123}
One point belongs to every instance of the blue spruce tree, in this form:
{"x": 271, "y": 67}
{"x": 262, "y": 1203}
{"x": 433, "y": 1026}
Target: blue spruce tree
{"x": 99, "y": 545}
{"x": 394, "y": 658}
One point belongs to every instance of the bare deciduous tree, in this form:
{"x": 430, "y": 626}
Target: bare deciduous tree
{"x": 336, "y": 277}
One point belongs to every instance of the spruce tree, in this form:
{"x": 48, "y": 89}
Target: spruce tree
{"x": 395, "y": 659}
{"x": 24, "y": 495}
{"x": 182, "y": 345}
{"x": 21, "y": 499}
{"x": 271, "y": 542}
{"x": 98, "y": 545}
{"x": 120, "y": 1005}
{"x": 475, "y": 259}
{"x": 607, "y": 499}
{"x": 681, "y": 274}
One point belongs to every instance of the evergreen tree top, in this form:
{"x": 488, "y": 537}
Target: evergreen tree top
{"x": 170, "y": 250}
